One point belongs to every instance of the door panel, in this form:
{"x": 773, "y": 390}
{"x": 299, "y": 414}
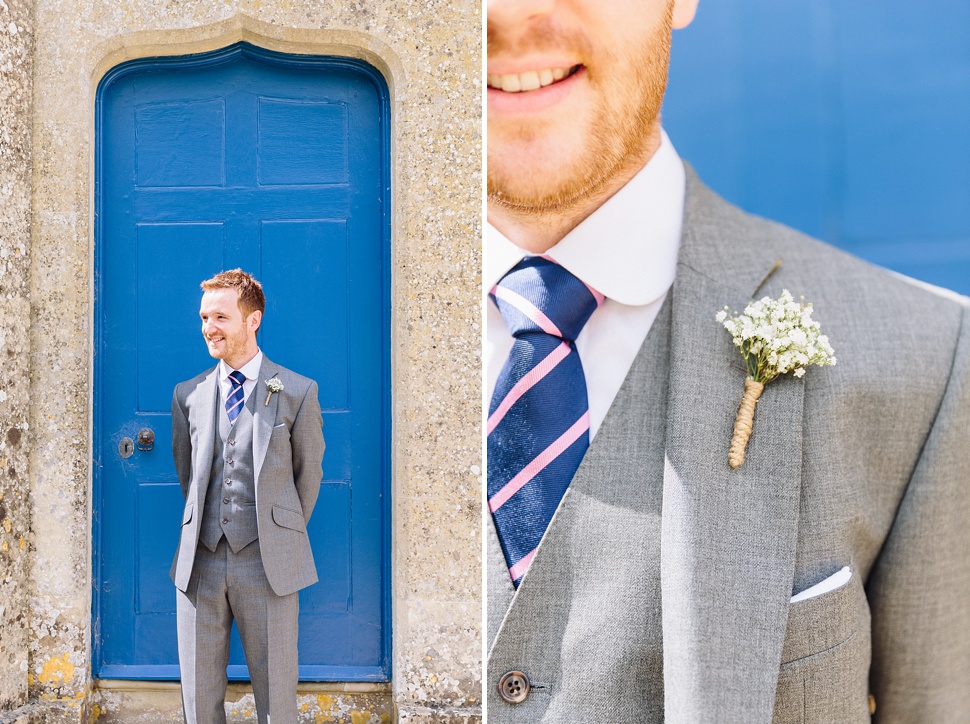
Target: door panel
{"x": 276, "y": 164}
{"x": 846, "y": 120}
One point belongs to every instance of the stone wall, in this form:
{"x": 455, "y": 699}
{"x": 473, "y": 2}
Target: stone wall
{"x": 15, "y": 538}
{"x": 429, "y": 52}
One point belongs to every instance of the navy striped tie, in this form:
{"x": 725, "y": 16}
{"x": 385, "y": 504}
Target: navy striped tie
{"x": 234, "y": 401}
{"x": 538, "y": 420}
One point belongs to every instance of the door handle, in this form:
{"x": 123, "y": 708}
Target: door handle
{"x": 146, "y": 439}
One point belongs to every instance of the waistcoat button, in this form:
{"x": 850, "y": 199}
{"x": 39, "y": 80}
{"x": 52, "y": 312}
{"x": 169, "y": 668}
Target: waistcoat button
{"x": 513, "y": 687}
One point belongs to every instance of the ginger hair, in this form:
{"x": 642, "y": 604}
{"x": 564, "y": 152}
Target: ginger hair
{"x": 251, "y": 297}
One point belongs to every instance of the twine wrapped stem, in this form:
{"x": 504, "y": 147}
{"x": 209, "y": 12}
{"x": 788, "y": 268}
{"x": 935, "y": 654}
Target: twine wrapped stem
{"x": 744, "y": 421}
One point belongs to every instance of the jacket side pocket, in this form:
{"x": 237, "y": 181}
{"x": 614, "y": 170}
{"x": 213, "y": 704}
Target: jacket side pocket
{"x": 289, "y": 519}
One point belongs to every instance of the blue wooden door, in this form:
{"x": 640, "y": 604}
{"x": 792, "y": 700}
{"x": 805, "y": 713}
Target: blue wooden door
{"x": 279, "y": 165}
{"x": 847, "y": 120}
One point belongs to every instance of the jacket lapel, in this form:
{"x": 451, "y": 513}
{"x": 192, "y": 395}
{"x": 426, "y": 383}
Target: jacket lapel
{"x": 203, "y": 419}
{"x": 499, "y": 588}
{"x": 728, "y": 536}
{"x": 264, "y": 416}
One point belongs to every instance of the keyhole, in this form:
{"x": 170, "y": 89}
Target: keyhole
{"x": 126, "y": 447}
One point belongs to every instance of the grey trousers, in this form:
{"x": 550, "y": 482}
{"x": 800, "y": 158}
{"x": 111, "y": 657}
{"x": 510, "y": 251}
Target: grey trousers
{"x": 226, "y": 586}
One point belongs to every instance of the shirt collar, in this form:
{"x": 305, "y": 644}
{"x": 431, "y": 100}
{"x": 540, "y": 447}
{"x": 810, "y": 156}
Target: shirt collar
{"x": 626, "y": 249}
{"x": 250, "y": 369}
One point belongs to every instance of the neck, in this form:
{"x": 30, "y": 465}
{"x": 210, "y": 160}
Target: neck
{"x": 538, "y": 231}
{"x": 244, "y": 359}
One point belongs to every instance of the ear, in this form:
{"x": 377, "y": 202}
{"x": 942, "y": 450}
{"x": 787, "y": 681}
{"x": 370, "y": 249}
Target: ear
{"x": 254, "y": 320}
{"x": 684, "y": 11}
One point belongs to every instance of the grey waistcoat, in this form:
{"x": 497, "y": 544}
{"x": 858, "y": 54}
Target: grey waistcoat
{"x": 230, "y": 500}
{"x": 568, "y": 627}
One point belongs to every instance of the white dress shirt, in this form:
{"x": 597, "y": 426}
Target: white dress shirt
{"x": 627, "y": 250}
{"x": 250, "y": 369}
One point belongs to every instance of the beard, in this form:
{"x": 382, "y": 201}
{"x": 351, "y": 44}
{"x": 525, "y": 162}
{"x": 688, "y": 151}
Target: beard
{"x": 234, "y": 345}
{"x": 620, "y": 128}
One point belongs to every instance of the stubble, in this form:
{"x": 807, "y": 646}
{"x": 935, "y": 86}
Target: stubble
{"x": 622, "y": 125}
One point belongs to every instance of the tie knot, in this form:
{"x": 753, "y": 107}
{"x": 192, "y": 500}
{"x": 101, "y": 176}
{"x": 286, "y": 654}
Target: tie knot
{"x": 539, "y": 295}
{"x": 237, "y": 378}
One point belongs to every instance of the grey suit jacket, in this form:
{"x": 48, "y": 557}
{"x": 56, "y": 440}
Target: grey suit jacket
{"x": 287, "y": 453}
{"x": 865, "y": 464}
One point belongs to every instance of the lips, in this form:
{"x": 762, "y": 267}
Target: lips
{"x": 529, "y": 80}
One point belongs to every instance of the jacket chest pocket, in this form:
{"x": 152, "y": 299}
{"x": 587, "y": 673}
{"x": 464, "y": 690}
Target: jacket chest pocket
{"x": 824, "y": 675}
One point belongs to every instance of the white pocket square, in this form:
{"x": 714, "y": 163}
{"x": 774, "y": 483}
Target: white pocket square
{"x": 280, "y": 425}
{"x": 836, "y": 580}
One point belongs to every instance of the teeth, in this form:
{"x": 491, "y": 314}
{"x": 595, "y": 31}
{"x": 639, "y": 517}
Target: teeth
{"x": 530, "y": 80}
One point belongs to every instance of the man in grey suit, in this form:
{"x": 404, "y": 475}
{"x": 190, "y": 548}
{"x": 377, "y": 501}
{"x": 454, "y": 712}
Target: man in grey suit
{"x": 248, "y": 446}
{"x": 827, "y": 579}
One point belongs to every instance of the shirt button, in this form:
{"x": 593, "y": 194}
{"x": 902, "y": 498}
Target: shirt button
{"x": 231, "y": 463}
{"x": 225, "y": 520}
{"x": 514, "y": 687}
{"x": 226, "y": 501}
{"x": 231, "y": 441}
{"x": 228, "y": 481}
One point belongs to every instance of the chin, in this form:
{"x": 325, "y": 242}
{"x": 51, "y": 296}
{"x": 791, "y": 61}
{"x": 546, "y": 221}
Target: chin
{"x": 541, "y": 187}
{"x": 549, "y": 198}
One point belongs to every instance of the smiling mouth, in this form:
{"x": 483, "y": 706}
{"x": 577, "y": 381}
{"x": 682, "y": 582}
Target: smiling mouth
{"x": 530, "y": 80}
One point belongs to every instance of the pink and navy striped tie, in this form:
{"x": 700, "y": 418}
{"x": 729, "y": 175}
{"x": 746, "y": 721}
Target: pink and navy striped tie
{"x": 234, "y": 401}
{"x": 538, "y": 420}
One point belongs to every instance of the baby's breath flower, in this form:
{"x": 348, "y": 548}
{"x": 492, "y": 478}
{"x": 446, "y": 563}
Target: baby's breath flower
{"x": 273, "y": 384}
{"x": 777, "y": 336}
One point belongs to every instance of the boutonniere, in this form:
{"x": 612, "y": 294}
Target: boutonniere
{"x": 273, "y": 384}
{"x": 775, "y": 336}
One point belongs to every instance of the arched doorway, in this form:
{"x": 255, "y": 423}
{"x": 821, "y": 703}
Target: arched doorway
{"x": 278, "y": 164}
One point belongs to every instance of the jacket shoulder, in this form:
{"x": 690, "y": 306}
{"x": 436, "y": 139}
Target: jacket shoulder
{"x": 293, "y": 382}
{"x": 885, "y": 328}
{"x": 819, "y": 270}
{"x": 182, "y": 389}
